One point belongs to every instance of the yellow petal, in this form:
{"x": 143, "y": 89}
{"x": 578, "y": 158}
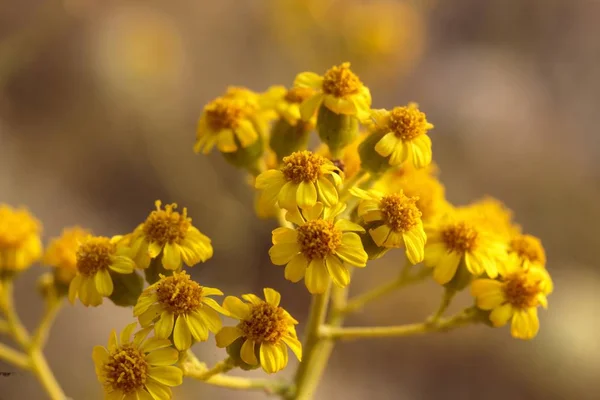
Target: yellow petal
{"x": 236, "y": 307}
{"x": 294, "y": 344}
{"x": 272, "y": 296}
{"x": 338, "y": 272}
{"x": 171, "y": 258}
{"x": 170, "y": 376}
{"x": 317, "y": 278}
{"x": 215, "y": 306}
{"x": 488, "y": 293}
{"x": 74, "y": 288}
{"x": 351, "y": 250}
{"x": 164, "y": 356}
{"x": 387, "y": 144}
{"x": 270, "y": 178}
{"x": 309, "y": 107}
{"x": 282, "y": 253}
{"x": 306, "y": 195}
{"x": 284, "y": 235}
{"x": 113, "y": 343}
{"x": 126, "y": 333}
{"x": 446, "y": 268}
{"x": 246, "y": 133}
{"x": 154, "y": 249}
{"x": 339, "y": 105}
{"x": 226, "y": 142}
{"x": 327, "y": 191}
{"x": 287, "y": 196}
{"x": 210, "y": 318}
{"x": 197, "y": 327}
{"x": 182, "y": 337}
{"x": 415, "y": 246}
{"x": 421, "y": 151}
{"x": 122, "y": 265}
{"x": 247, "y": 353}
{"x": 501, "y": 314}
{"x": 271, "y": 359}
{"x": 308, "y": 80}
{"x": 104, "y": 283}
{"x": 227, "y": 335}
{"x": 296, "y": 268}
{"x": 100, "y": 356}
{"x": 400, "y": 153}
{"x": 155, "y": 344}
{"x": 380, "y": 234}
{"x": 345, "y": 225}
{"x": 164, "y": 326}
{"x": 525, "y": 324}
{"x": 158, "y": 391}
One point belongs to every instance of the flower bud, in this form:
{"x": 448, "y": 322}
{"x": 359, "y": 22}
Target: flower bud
{"x": 234, "y": 350}
{"x": 461, "y": 279}
{"x": 369, "y": 158}
{"x": 336, "y": 130}
{"x": 287, "y": 138}
{"x": 246, "y": 157}
{"x": 127, "y": 289}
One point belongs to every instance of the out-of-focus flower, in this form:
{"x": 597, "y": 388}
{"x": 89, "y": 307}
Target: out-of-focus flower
{"x": 20, "y": 243}
{"x": 349, "y": 163}
{"x": 527, "y": 250}
{"x": 61, "y": 253}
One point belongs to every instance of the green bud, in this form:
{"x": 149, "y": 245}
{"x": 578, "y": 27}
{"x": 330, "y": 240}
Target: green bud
{"x": 370, "y": 159}
{"x": 246, "y": 157}
{"x": 287, "y": 138}
{"x": 127, "y": 289}
{"x": 234, "y": 349}
{"x": 461, "y": 279}
{"x": 336, "y": 130}
{"x": 483, "y": 316}
{"x": 155, "y": 270}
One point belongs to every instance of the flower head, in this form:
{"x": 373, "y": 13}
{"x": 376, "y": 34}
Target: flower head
{"x": 456, "y": 238}
{"x": 142, "y": 368}
{"x": 96, "y": 257}
{"x": 171, "y": 234}
{"x": 318, "y": 248}
{"x": 527, "y": 250}
{"x": 492, "y": 214}
{"x": 61, "y": 253}
{"x": 405, "y": 136}
{"x": 20, "y": 243}
{"x": 395, "y": 220}
{"x": 340, "y": 90}
{"x": 176, "y": 305}
{"x": 286, "y": 102}
{"x": 515, "y": 297}
{"x": 301, "y": 181}
{"x": 266, "y": 329}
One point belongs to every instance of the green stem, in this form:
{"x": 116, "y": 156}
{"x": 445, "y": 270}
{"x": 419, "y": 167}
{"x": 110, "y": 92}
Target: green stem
{"x": 444, "y": 304}
{"x": 14, "y": 357}
{"x": 41, "y": 333}
{"x": 44, "y": 374}
{"x": 223, "y": 366}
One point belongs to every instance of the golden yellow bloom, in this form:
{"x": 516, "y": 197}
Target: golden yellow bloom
{"x": 286, "y": 102}
{"x": 494, "y": 216}
{"x": 20, "y": 243}
{"x": 405, "y": 136}
{"x": 394, "y": 221}
{"x": 301, "y": 181}
{"x": 179, "y": 306}
{"x": 340, "y": 90}
{"x": 421, "y": 183}
{"x": 266, "y": 329}
{"x": 142, "y": 368}
{"x": 350, "y": 163}
{"x": 171, "y": 234}
{"x": 457, "y": 238}
{"x": 230, "y": 122}
{"x": 317, "y": 249}
{"x": 96, "y": 257}
{"x": 515, "y": 297}
{"x": 61, "y": 253}
{"x": 527, "y": 250}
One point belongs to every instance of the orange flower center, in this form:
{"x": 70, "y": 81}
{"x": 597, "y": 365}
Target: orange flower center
{"x": 95, "y": 255}
{"x": 340, "y": 81}
{"x": 166, "y": 226}
{"x": 179, "y": 294}
{"x": 227, "y": 112}
{"x": 400, "y": 212}
{"x": 127, "y": 369}
{"x": 266, "y": 323}
{"x": 303, "y": 166}
{"x": 318, "y": 238}
{"x": 529, "y": 248}
{"x": 298, "y": 95}
{"x": 408, "y": 122}
{"x": 521, "y": 291}
{"x": 460, "y": 237}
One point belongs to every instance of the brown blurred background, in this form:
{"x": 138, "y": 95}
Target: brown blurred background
{"x": 98, "y": 106}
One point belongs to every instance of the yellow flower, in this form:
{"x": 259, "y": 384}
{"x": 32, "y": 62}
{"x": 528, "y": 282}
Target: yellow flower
{"x": 515, "y": 297}
{"x": 97, "y": 257}
{"x": 494, "y": 216}
{"x": 266, "y": 329}
{"x": 405, "y": 136}
{"x": 301, "y": 181}
{"x": 340, "y": 90}
{"x": 179, "y": 306}
{"x": 394, "y": 221}
{"x": 230, "y": 121}
{"x": 457, "y": 238}
{"x": 140, "y": 369}
{"x": 286, "y": 102}
{"x": 317, "y": 249}
{"x": 527, "y": 250}
{"x": 350, "y": 163}
{"x": 61, "y": 253}
{"x": 421, "y": 183}
{"x": 171, "y": 234}
{"x": 20, "y": 243}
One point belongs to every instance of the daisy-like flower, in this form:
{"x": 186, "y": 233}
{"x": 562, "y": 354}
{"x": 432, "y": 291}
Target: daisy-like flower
{"x": 266, "y": 329}
{"x": 339, "y": 90}
{"x": 96, "y": 258}
{"x": 318, "y": 248}
{"x": 229, "y": 122}
{"x": 170, "y": 234}
{"x": 20, "y": 243}
{"x": 492, "y": 214}
{"x": 179, "y": 306}
{"x": 515, "y": 297}
{"x": 61, "y": 253}
{"x": 138, "y": 369}
{"x": 405, "y": 135}
{"x": 394, "y": 220}
{"x": 456, "y": 238}
{"x": 286, "y": 102}
{"x": 301, "y": 181}
{"x": 527, "y": 250}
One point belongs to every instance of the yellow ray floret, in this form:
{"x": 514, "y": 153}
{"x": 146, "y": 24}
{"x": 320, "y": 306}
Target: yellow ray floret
{"x": 61, "y": 253}
{"x": 142, "y": 368}
{"x": 318, "y": 248}
{"x": 179, "y": 306}
{"x": 20, "y": 243}
{"x": 267, "y": 330}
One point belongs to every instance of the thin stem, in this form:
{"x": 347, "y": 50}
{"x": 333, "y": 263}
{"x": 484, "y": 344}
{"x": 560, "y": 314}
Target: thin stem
{"x": 223, "y": 366}
{"x": 465, "y": 317}
{"x": 239, "y": 383}
{"x": 45, "y": 376}
{"x": 444, "y": 304}
{"x": 41, "y": 333}
{"x": 4, "y": 329}
{"x": 14, "y": 357}
{"x": 15, "y": 326}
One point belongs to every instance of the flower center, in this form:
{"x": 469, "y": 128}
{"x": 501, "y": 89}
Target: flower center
{"x": 460, "y": 237}
{"x": 521, "y": 291}
{"x": 127, "y": 369}
{"x": 340, "y": 81}
{"x": 227, "y": 112}
{"x": 166, "y": 226}
{"x": 303, "y": 166}
{"x": 266, "y": 323}
{"x": 318, "y": 238}
{"x": 179, "y": 294}
{"x": 529, "y": 248}
{"x": 408, "y": 122}
{"x": 16, "y": 226}
{"x": 400, "y": 212}
{"x": 95, "y": 254}
{"x": 298, "y": 95}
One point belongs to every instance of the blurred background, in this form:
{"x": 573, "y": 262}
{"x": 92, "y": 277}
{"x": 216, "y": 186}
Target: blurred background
{"x": 98, "y": 108}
